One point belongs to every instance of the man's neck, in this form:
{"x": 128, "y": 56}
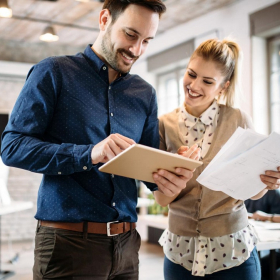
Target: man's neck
{"x": 112, "y": 74}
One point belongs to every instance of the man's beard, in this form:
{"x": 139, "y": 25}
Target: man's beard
{"x": 111, "y": 56}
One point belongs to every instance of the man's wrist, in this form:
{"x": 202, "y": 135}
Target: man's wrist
{"x": 271, "y": 218}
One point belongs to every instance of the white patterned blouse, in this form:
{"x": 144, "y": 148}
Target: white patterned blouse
{"x": 204, "y": 255}
{"x": 199, "y": 130}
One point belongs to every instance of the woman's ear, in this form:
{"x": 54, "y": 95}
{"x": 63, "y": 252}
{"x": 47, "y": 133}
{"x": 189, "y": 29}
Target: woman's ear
{"x": 104, "y": 19}
{"x": 224, "y": 87}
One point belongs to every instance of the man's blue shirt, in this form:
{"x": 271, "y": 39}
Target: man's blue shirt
{"x": 269, "y": 203}
{"x": 66, "y": 107}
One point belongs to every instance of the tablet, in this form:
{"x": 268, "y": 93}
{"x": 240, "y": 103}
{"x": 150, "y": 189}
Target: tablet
{"x": 140, "y": 162}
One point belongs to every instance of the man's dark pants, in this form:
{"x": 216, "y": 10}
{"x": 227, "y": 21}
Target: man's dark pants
{"x": 63, "y": 254}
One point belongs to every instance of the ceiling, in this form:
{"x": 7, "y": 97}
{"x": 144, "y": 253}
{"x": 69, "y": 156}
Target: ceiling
{"x": 76, "y": 23}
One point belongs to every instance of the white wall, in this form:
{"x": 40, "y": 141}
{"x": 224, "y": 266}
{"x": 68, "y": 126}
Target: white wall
{"x": 232, "y": 20}
{"x": 12, "y": 77}
{"x": 10, "y": 68}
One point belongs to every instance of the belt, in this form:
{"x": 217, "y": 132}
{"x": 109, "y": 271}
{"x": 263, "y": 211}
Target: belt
{"x": 110, "y": 229}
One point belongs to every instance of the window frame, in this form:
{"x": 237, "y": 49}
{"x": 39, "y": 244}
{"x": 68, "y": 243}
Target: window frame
{"x": 270, "y": 42}
{"x": 176, "y": 72}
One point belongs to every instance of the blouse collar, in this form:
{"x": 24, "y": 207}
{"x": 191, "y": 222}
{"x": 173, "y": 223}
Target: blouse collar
{"x": 206, "y": 117}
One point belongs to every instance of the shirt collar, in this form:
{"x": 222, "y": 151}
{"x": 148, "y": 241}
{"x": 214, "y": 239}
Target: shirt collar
{"x": 96, "y": 62}
{"x": 209, "y": 115}
{"x": 206, "y": 117}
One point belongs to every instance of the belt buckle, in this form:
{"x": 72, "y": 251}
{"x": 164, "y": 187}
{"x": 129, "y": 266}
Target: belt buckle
{"x": 109, "y": 228}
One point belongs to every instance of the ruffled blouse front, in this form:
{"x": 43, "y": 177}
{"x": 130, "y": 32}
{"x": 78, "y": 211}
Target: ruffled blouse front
{"x": 199, "y": 130}
{"x": 206, "y": 255}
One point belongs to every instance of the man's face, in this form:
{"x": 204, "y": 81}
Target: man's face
{"x": 127, "y": 39}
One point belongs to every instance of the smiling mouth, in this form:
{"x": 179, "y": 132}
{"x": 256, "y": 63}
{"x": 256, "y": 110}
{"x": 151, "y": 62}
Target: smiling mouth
{"x": 193, "y": 94}
{"x": 127, "y": 58}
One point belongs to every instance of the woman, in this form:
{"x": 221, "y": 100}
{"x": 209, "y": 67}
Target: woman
{"x": 208, "y": 232}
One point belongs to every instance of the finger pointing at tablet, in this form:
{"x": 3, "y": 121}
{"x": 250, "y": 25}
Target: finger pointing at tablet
{"x": 110, "y": 147}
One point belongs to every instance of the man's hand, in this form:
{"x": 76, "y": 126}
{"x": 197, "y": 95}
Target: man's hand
{"x": 110, "y": 147}
{"x": 171, "y": 184}
{"x": 271, "y": 179}
{"x": 261, "y": 216}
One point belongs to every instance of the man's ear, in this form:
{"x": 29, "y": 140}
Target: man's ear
{"x": 104, "y": 19}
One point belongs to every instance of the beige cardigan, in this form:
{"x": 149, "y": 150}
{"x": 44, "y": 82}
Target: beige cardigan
{"x": 198, "y": 210}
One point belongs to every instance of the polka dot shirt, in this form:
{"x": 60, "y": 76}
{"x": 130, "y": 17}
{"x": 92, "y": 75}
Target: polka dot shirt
{"x": 205, "y": 255}
{"x": 65, "y": 108}
{"x": 199, "y": 130}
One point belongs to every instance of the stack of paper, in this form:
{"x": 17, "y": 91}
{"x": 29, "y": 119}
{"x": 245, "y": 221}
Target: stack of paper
{"x": 265, "y": 236}
{"x": 237, "y": 167}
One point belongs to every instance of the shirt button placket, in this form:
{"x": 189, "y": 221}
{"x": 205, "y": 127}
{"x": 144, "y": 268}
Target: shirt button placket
{"x": 112, "y": 114}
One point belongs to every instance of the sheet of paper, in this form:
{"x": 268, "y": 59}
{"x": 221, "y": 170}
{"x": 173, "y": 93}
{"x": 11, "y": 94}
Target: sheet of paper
{"x": 265, "y": 236}
{"x": 266, "y": 231}
{"x": 271, "y": 226}
{"x": 237, "y": 168}
{"x": 259, "y": 225}
{"x": 241, "y": 141}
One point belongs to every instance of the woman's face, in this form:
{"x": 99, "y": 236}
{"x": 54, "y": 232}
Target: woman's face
{"x": 202, "y": 82}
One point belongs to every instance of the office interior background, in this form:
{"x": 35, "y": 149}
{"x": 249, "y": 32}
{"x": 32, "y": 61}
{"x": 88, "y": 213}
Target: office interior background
{"x": 254, "y": 24}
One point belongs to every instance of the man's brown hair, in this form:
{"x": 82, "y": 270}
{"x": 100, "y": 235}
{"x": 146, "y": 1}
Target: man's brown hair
{"x": 117, "y": 7}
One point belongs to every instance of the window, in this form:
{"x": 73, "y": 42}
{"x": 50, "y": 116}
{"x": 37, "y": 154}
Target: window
{"x": 274, "y": 83}
{"x": 170, "y": 90}
{"x": 169, "y": 67}
{"x": 264, "y": 29}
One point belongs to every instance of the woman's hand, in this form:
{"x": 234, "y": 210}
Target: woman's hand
{"x": 271, "y": 179}
{"x": 193, "y": 152}
{"x": 169, "y": 184}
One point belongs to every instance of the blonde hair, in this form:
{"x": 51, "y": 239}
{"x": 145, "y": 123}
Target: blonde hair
{"x": 226, "y": 54}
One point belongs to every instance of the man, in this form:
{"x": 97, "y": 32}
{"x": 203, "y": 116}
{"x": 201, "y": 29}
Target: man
{"x": 73, "y": 114}
{"x": 269, "y": 203}
{"x": 266, "y": 209}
